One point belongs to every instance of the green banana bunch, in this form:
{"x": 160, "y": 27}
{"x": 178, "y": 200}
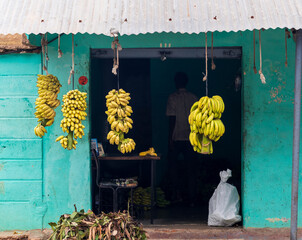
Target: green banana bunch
{"x": 73, "y": 109}
{"x": 142, "y": 196}
{"x": 205, "y": 123}
{"x": 46, "y": 102}
{"x": 119, "y": 112}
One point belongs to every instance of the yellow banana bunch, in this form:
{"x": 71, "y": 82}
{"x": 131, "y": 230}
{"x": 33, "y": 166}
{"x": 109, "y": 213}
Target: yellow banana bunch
{"x": 150, "y": 152}
{"x": 127, "y": 145}
{"x": 205, "y": 123}
{"x": 119, "y": 112}
{"x": 46, "y": 102}
{"x": 73, "y": 109}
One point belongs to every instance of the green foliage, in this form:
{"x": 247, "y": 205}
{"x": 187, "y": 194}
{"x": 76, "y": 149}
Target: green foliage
{"x": 111, "y": 226}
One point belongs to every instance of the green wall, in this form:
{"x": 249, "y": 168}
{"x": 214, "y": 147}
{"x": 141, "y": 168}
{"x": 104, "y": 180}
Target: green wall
{"x": 62, "y": 177}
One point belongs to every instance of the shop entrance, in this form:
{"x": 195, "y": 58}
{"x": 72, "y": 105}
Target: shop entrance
{"x": 147, "y": 74}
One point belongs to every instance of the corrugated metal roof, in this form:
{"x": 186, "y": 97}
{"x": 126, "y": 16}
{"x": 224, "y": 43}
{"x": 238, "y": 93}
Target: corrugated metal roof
{"x": 142, "y": 16}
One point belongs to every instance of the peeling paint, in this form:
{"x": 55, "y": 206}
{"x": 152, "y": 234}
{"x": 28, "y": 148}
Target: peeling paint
{"x": 275, "y": 94}
{"x": 272, "y": 220}
{"x": 1, "y": 166}
{"x": 2, "y": 189}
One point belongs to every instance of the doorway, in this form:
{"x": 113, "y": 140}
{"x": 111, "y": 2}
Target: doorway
{"x": 147, "y": 74}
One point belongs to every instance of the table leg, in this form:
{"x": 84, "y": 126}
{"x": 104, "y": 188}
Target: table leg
{"x": 132, "y": 202}
{"x": 100, "y": 200}
{"x": 114, "y": 199}
{"x": 152, "y": 190}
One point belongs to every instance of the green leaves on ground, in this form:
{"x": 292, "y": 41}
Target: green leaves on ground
{"x": 111, "y": 226}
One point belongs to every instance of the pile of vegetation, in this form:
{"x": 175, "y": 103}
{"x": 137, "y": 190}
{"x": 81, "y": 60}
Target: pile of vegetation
{"x": 87, "y": 225}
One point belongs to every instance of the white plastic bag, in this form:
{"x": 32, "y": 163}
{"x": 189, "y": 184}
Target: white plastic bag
{"x": 224, "y": 204}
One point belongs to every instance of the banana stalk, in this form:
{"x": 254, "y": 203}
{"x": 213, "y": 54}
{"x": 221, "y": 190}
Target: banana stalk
{"x": 70, "y": 140}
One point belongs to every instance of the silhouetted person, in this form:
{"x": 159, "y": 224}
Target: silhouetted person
{"x": 178, "y": 110}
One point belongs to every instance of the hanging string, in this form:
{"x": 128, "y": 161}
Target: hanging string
{"x": 46, "y": 52}
{"x": 205, "y": 78}
{"x": 116, "y": 46}
{"x": 262, "y": 78}
{"x": 71, "y": 74}
{"x": 213, "y": 66}
{"x": 43, "y": 44}
{"x": 118, "y": 79}
{"x": 255, "y": 69}
{"x": 59, "y": 46}
{"x": 287, "y": 35}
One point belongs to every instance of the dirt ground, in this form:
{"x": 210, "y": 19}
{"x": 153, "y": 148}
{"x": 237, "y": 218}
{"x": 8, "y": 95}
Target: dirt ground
{"x": 192, "y": 232}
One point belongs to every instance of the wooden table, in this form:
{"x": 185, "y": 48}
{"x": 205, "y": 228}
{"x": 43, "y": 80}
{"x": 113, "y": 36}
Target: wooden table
{"x": 153, "y": 172}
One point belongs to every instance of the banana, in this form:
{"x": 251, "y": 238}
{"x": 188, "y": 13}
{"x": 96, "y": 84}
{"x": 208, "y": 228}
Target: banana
{"x": 50, "y": 122}
{"x": 212, "y": 127}
{"x": 197, "y": 121}
{"x": 190, "y": 138}
{"x": 112, "y": 139}
{"x": 59, "y": 138}
{"x": 124, "y": 102}
{"x": 46, "y": 102}
{"x": 117, "y": 140}
{"x": 129, "y": 125}
{"x": 114, "y": 124}
{"x": 204, "y": 116}
{"x": 210, "y": 118}
{"x": 73, "y": 109}
{"x": 127, "y": 119}
{"x": 121, "y": 127}
{"x": 195, "y": 138}
{"x": 216, "y": 131}
{"x": 194, "y": 106}
{"x": 119, "y": 113}
{"x": 190, "y": 119}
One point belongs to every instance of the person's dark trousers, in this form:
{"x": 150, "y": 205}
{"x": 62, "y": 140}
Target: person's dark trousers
{"x": 182, "y": 173}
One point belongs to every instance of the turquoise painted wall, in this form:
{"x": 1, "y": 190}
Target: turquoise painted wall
{"x": 39, "y": 180}
{"x": 64, "y": 176}
{"x": 21, "y": 172}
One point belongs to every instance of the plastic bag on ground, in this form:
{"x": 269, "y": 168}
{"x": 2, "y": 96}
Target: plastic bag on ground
{"x": 224, "y": 204}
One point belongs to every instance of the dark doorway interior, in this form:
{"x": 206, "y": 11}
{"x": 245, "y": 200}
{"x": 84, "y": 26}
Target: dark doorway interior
{"x": 150, "y": 81}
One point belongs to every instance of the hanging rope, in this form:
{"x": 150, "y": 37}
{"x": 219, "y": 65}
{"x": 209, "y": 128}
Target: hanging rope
{"x": 205, "y": 78}
{"x": 287, "y": 35}
{"x": 255, "y": 69}
{"x": 59, "y": 46}
{"x": 262, "y": 78}
{"x": 46, "y": 52}
{"x": 43, "y": 44}
{"x": 116, "y": 46}
{"x": 213, "y": 66}
{"x": 71, "y": 74}
{"x": 206, "y": 52}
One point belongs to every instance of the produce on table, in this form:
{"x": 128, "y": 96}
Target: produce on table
{"x": 142, "y": 197}
{"x": 205, "y": 123}
{"x": 46, "y": 102}
{"x": 73, "y": 109}
{"x": 150, "y": 152}
{"x": 119, "y": 112}
{"x": 81, "y": 225}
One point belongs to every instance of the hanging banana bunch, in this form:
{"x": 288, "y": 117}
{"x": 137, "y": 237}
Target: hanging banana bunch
{"x": 46, "y": 102}
{"x": 205, "y": 123}
{"x": 73, "y": 109}
{"x": 119, "y": 113}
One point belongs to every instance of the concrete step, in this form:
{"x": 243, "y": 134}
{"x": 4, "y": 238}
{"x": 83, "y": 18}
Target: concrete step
{"x": 201, "y": 232}
{"x": 14, "y": 235}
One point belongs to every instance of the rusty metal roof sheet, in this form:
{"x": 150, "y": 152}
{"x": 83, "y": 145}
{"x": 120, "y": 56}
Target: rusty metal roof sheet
{"x": 16, "y": 43}
{"x": 146, "y": 16}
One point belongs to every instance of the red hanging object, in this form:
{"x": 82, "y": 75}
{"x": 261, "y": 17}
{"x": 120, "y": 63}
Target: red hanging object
{"x": 83, "y": 80}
